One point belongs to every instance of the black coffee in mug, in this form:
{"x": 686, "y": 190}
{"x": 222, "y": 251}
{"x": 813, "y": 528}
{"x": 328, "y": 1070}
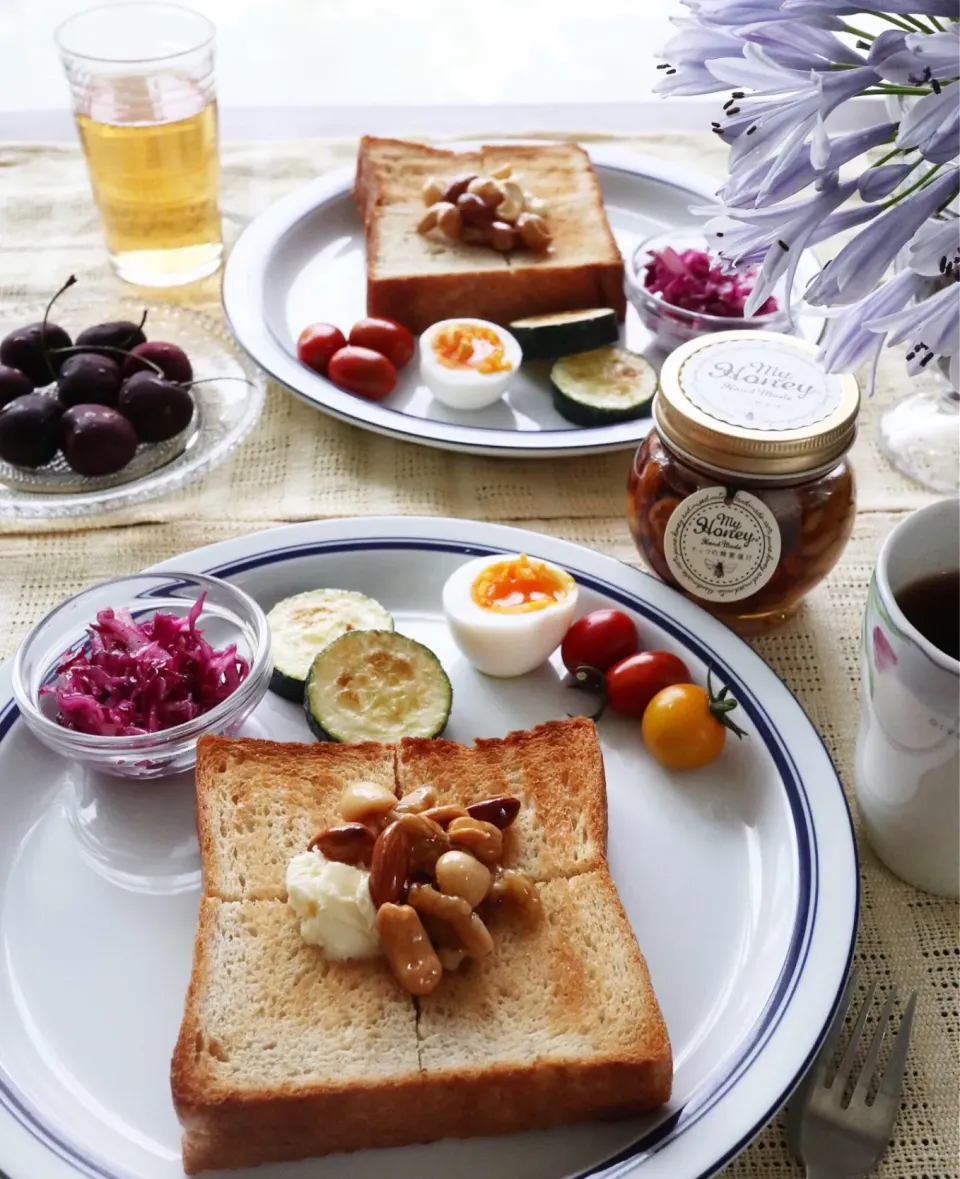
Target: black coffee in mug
{"x": 932, "y": 605}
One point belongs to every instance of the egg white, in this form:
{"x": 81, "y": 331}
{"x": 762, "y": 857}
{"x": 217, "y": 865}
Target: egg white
{"x": 465, "y": 388}
{"x": 503, "y": 644}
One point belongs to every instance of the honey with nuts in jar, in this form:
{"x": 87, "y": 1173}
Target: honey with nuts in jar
{"x": 742, "y": 495}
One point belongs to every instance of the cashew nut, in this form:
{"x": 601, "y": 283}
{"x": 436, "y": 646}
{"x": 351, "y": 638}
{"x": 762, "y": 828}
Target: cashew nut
{"x": 512, "y": 204}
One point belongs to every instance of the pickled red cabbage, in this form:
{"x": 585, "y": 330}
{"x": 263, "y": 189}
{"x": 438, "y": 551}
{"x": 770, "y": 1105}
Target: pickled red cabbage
{"x": 134, "y": 677}
{"x": 691, "y": 279}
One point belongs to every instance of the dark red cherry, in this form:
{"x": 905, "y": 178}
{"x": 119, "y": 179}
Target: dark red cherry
{"x": 96, "y": 439}
{"x": 158, "y": 408}
{"x": 30, "y": 430}
{"x": 88, "y": 379}
{"x": 13, "y": 384}
{"x": 172, "y": 361}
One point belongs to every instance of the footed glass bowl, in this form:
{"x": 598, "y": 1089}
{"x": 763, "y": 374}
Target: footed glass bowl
{"x": 229, "y": 396}
{"x": 229, "y": 616}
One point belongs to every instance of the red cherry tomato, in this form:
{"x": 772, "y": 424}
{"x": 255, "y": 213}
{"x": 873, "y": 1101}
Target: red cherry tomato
{"x": 317, "y": 343}
{"x": 385, "y": 336}
{"x": 633, "y": 682}
{"x": 362, "y": 371}
{"x": 599, "y": 640}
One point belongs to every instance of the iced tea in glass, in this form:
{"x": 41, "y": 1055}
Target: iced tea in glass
{"x": 142, "y": 80}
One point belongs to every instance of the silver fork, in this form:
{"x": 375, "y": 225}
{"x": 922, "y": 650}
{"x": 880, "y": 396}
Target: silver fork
{"x": 837, "y": 1141}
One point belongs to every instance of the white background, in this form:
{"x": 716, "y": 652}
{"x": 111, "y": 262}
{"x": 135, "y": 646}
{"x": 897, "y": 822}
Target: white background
{"x": 296, "y": 67}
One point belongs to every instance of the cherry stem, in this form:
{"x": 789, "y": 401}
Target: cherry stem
{"x": 95, "y": 349}
{"x": 721, "y": 705}
{"x": 138, "y": 328}
{"x": 43, "y": 326}
{"x": 591, "y": 679}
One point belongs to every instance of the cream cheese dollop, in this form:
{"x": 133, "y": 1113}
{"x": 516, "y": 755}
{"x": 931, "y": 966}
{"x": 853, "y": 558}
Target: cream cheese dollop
{"x": 334, "y": 905}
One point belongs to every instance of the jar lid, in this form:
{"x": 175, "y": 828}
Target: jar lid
{"x": 755, "y": 403}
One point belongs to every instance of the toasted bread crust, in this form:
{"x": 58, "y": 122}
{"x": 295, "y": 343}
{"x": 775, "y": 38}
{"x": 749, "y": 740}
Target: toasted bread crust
{"x": 584, "y": 268}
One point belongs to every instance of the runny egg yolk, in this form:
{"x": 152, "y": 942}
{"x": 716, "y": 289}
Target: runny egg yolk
{"x": 519, "y": 585}
{"x": 469, "y": 346}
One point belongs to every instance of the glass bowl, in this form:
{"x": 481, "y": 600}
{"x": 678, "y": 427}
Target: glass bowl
{"x": 672, "y": 326}
{"x": 229, "y": 397}
{"x": 228, "y": 616}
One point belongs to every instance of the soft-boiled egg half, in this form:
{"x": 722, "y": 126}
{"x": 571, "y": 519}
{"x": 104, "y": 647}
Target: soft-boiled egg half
{"x": 468, "y": 363}
{"x": 509, "y": 613}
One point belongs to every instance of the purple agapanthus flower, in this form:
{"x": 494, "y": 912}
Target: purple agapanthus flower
{"x": 789, "y": 64}
{"x": 915, "y": 59}
{"x": 932, "y": 127}
{"x": 766, "y": 183}
{"x": 850, "y": 342}
{"x": 862, "y": 262}
{"x": 935, "y": 248}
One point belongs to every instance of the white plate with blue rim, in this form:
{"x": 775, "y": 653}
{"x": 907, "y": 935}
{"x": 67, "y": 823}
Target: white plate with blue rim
{"x": 740, "y": 881}
{"x": 302, "y": 261}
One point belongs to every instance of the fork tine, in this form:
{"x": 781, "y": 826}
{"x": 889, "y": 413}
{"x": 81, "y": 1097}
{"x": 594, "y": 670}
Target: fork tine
{"x": 873, "y": 1052}
{"x": 846, "y": 1065}
{"x": 832, "y": 1038}
{"x": 815, "y": 1074}
{"x": 892, "y": 1080}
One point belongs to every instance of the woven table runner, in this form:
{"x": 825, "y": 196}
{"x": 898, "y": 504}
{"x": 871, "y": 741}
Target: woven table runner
{"x": 299, "y": 464}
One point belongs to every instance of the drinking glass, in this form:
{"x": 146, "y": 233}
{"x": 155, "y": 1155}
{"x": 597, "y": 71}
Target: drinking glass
{"x": 921, "y": 434}
{"x": 141, "y": 78}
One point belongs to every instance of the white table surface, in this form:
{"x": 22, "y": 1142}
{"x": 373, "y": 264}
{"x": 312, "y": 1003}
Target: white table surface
{"x": 290, "y": 68}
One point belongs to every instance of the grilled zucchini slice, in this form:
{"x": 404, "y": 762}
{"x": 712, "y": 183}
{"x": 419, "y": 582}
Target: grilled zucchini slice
{"x": 604, "y": 386}
{"x": 376, "y": 685}
{"x": 301, "y": 626}
{"x": 545, "y": 337}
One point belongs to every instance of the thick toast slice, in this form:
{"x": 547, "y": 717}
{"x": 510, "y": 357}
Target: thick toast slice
{"x": 556, "y": 770}
{"x": 283, "y": 1054}
{"x": 259, "y": 803}
{"x": 419, "y": 281}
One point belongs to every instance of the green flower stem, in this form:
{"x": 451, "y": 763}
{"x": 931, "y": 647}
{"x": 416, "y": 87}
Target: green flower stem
{"x": 885, "y": 88}
{"x": 855, "y": 32}
{"x": 901, "y": 24}
{"x": 918, "y": 23}
{"x": 886, "y": 159}
{"x": 936, "y": 24}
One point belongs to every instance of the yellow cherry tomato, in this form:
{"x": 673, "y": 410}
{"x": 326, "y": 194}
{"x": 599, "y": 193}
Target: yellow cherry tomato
{"x": 685, "y": 726}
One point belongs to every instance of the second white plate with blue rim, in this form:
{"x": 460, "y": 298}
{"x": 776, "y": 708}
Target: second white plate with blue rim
{"x": 740, "y": 881}
{"x": 302, "y": 261}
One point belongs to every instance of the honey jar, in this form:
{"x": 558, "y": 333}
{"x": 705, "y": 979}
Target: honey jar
{"x": 742, "y": 495}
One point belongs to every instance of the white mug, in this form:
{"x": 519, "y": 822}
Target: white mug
{"x": 907, "y": 771}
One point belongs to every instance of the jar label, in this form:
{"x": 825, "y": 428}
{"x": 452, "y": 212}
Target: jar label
{"x": 722, "y": 546}
{"x": 760, "y": 385}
